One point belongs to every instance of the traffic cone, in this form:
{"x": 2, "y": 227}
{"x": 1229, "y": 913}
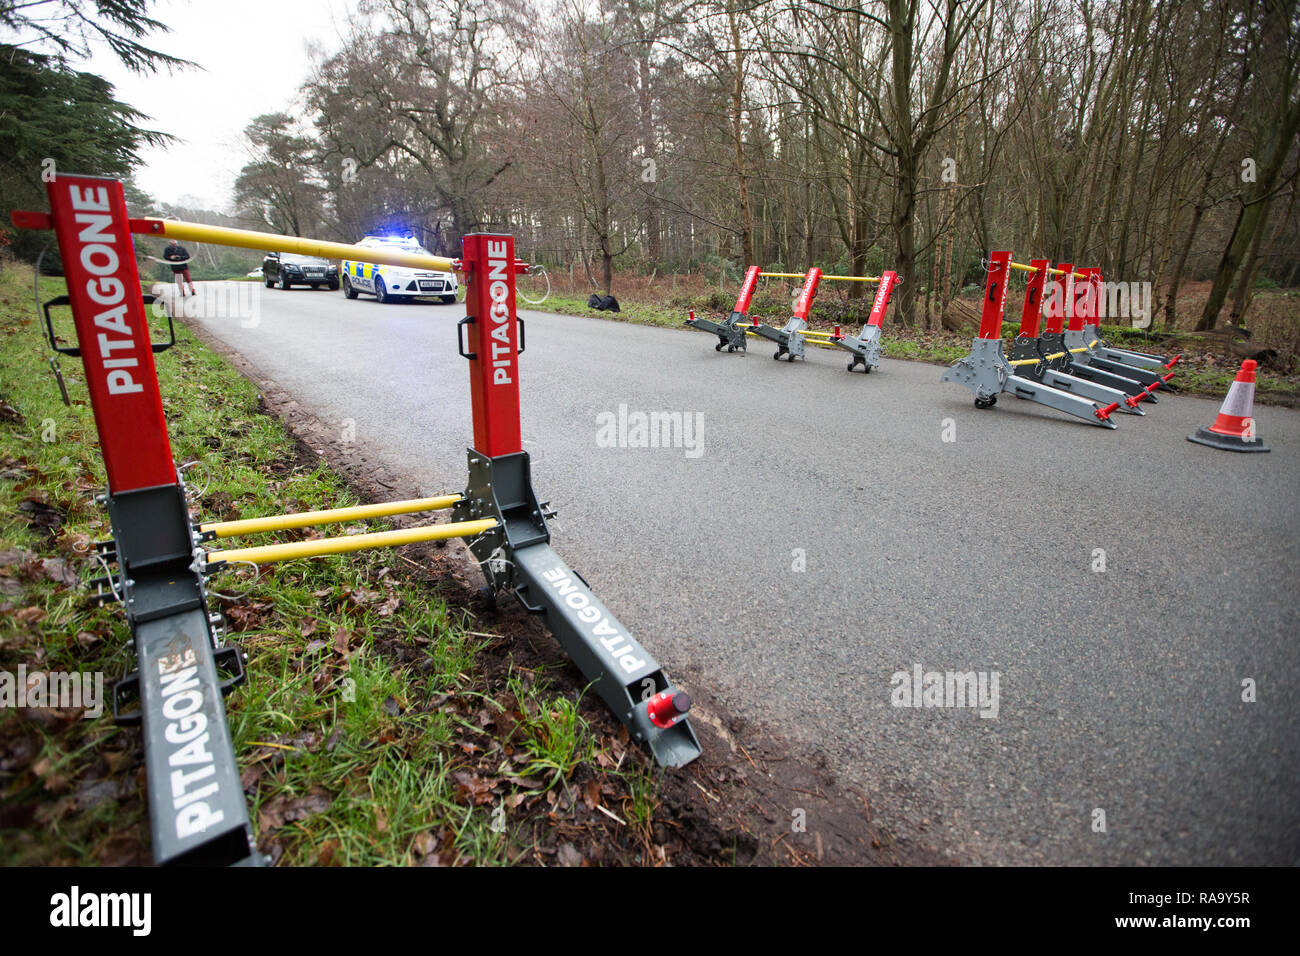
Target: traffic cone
{"x": 1234, "y": 429}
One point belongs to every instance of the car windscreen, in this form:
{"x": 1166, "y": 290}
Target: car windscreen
{"x": 302, "y": 260}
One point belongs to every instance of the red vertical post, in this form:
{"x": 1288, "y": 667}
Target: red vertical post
{"x": 1079, "y": 299}
{"x": 1094, "y": 282}
{"x": 747, "y": 290}
{"x": 803, "y": 305}
{"x": 995, "y": 295}
{"x": 489, "y": 261}
{"x": 1031, "y": 315}
{"x": 94, "y": 235}
{"x": 883, "y": 291}
{"x": 1056, "y": 302}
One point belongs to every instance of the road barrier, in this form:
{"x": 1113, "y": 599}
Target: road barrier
{"x": 787, "y": 338}
{"x": 792, "y": 339}
{"x": 1051, "y": 368}
{"x": 1074, "y": 358}
{"x": 731, "y": 331}
{"x": 1083, "y": 317}
{"x": 987, "y": 372}
{"x": 1104, "y": 350}
{"x": 196, "y": 806}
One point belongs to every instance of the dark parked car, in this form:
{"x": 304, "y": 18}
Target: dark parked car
{"x": 288, "y": 269}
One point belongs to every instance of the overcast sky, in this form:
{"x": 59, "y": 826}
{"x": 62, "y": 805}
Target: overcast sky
{"x": 254, "y": 55}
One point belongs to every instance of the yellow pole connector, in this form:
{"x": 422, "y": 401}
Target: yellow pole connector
{"x": 308, "y": 519}
{"x": 273, "y": 242}
{"x": 353, "y": 542}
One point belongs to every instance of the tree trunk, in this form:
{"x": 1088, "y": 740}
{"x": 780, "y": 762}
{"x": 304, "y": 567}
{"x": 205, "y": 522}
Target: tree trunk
{"x": 1171, "y": 304}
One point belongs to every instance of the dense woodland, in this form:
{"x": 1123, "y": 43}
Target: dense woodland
{"x": 1155, "y": 140}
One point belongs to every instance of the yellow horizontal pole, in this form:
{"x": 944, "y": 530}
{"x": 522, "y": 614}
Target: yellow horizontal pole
{"x": 273, "y": 242}
{"x": 824, "y": 335}
{"x": 800, "y": 275}
{"x": 353, "y": 542}
{"x": 307, "y": 519}
{"x": 1018, "y": 362}
{"x": 1051, "y": 270}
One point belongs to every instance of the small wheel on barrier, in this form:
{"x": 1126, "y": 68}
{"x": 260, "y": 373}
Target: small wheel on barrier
{"x": 852, "y": 366}
{"x": 718, "y": 347}
{"x": 776, "y": 356}
{"x": 866, "y": 369}
{"x": 731, "y": 348}
{"x": 986, "y": 402}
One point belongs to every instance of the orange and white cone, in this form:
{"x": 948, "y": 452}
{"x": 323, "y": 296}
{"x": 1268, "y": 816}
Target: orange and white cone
{"x": 1234, "y": 429}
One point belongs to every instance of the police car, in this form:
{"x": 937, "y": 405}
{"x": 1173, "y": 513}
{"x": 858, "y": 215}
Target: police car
{"x": 395, "y": 283}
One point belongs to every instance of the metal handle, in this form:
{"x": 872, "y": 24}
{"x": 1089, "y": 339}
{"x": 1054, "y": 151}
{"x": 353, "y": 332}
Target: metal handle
{"x": 74, "y": 351}
{"x": 530, "y": 608}
{"x": 460, "y": 339}
{"x": 49, "y": 326}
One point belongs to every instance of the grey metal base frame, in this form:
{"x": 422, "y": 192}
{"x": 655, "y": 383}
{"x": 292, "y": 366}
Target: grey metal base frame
{"x": 789, "y": 343}
{"x": 986, "y": 373}
{"x": 865, "y": 348}
{"x": 730, "y": 337}
{"x": 516, "y": 557}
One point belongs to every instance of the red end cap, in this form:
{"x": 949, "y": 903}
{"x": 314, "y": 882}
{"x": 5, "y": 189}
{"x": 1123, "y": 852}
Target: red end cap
{"x": 692, "y": 316}
{"x": 668, "y": 707}
{"x": 1173, "y": 361}
{"x": 1104, "y": 413}
{"x": 1165, "y": 378}
{"x": 1133, "y": 401}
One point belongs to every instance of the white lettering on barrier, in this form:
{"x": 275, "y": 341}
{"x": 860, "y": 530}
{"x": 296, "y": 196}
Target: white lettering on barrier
{"x": 100, "y": 258}
{"x": 499, "y": 311}
{"x": 616, "y": 643}
{"x": 187, "y": 729}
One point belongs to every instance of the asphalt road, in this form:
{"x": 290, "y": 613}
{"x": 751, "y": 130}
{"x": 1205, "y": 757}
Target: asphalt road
{"x": 1118, "y": 690}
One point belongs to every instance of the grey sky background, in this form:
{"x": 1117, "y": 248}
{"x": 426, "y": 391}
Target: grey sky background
{"x": 255, "y": 57}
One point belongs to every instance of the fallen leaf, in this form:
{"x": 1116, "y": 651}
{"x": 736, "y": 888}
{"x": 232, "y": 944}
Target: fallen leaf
{"x": 56, "y": 569}
{"x": 327, "y": 852}
{"x": 471, "y": 788}
{"x": 288, "y": 808}
{"x": 568, "y": 855}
